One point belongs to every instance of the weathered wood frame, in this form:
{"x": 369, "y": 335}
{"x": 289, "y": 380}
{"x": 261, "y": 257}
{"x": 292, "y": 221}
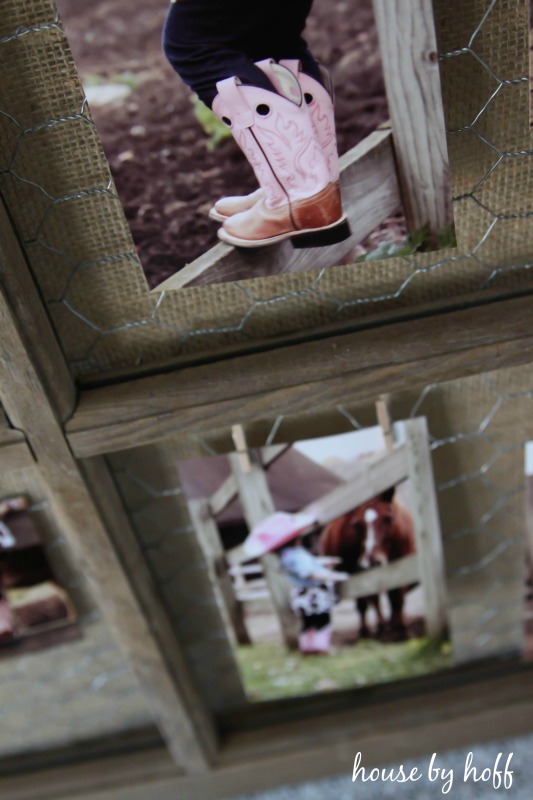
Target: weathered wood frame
{"x": 72, "y": 432}
{"x": 74, "y": 429}
{"x": 392, "y": 350}
{"x": 477, "y": 706}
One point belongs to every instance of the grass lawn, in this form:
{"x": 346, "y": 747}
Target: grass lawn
{"x": 270, "y": 672}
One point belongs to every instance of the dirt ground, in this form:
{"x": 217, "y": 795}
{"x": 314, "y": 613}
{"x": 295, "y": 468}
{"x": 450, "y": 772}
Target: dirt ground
{"x": 164, "y": 173}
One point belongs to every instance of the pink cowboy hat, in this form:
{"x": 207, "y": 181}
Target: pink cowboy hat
{"x": 274, "y": 531}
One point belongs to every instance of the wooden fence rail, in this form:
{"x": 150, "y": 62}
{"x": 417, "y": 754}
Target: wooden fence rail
{"x": 403, "y": 572}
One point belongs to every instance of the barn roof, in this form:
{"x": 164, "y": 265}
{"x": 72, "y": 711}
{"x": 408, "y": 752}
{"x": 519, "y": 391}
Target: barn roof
{"x": 294, "y": 481}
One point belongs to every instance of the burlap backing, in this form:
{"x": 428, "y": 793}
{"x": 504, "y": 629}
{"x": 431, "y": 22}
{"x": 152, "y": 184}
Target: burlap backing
{"x": 56, "y": 182}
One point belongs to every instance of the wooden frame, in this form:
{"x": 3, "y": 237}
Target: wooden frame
{"x": 72, "y": 491}
{"x": 305, "y": 371}
{"x": 94, "y": 288}
{"x": 355, "y": 366}
{"x": 195, "y": 399}
{"x": 491, "y": 702}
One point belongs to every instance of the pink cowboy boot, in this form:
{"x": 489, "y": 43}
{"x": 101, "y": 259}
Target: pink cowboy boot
{"x": 299, "y": 200}
{"x": 305, "y": 642}
{"x": 322, "y": 640}
{"x": 319, "y": 102}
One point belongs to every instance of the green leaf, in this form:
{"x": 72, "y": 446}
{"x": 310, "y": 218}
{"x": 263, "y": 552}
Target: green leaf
{"x": 211, "y": 124}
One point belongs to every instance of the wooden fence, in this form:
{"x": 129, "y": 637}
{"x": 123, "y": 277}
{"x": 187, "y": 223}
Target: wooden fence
{"x": 363, "y": 481}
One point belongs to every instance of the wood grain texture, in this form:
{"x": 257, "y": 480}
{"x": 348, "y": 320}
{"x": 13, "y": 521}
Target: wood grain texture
{"x": 428, "y": 537}
{"x": 405, "y": 719}
{"x": 209, "y": 539}
{"x": 14, "y": 450}
{"x": 189, "y": 731}
{"x": 381, "y": 579}
{"x": 368, "y": 479}
{"x": 257, "y": 505}
{"x": 370, "y": 194}
{"x": 228, "y": 490}
{"x": 464, "y": 713}
{"x": 410, "y": 67}
{"x": 354, "y": 367}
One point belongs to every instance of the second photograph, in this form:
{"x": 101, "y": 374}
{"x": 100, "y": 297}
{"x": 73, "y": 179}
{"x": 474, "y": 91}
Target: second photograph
{"x": 327, "y": 571}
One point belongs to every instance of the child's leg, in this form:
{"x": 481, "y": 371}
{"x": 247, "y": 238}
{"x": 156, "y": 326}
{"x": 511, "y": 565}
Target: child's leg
{"x": 207, "y": 41}
{"x": 216, "y": 48}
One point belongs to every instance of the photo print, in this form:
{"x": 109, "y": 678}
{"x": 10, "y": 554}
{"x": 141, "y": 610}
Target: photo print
{"x": 315, "y": 557}
{"x": 232, "y": 131}
{"x": 35, "y": 611}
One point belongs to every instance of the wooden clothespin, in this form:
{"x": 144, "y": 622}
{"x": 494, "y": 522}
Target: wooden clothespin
{"x": 384, "y": 419}
{"x": 241, "y": 446}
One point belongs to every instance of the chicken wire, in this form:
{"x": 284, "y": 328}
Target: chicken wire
{"x": 56, "y": 182}
{"x": 477, "y": 427}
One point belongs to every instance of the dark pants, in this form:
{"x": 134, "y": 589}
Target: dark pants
{"x": 316, "y": 621}
{"x": 209, "y": 40}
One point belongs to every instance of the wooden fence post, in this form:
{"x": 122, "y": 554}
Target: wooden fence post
{"x": 385, "y": 421}
{"x": 257, "y": 504}
{"x": 408, "y": 48}
{"x": 220, "y": 579}
{"x": 425, "y": 515}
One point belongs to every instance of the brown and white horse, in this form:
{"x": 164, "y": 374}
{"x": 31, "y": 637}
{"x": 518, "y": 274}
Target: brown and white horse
{"x": 375, "y": 533}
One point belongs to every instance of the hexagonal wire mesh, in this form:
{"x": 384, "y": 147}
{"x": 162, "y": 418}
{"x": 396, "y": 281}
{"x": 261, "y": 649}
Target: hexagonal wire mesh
{"x": 57, "y": 185}
{"x": 478, "y": 428}
{"x": 104, "y": 322}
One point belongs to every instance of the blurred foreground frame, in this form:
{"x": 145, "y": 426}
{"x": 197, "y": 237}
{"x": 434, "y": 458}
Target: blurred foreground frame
{"x": 117, "y": 399}
{"x": 76, "y": 239}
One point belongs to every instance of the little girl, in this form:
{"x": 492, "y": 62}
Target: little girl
{"x": 250, "y": 64}
{"x": 312, "y": 596}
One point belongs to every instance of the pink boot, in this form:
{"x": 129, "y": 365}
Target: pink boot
{"x": 277, "y": 135}
{"x": 322, "y": 640}
{"x": 306, "y": 641}
{"x": 319, "y": 101}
